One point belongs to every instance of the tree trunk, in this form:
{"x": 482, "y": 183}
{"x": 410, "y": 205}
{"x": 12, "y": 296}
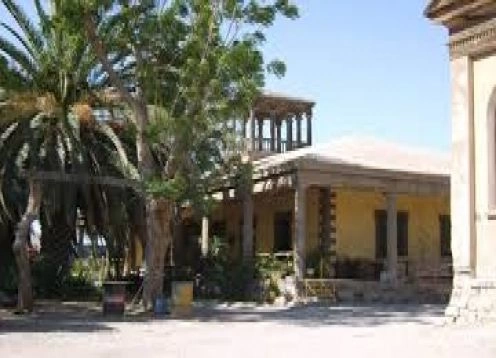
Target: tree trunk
{"x": 155, "y": 242}
{"x": 20, "y": 248}
{"x": 159, "y": 236}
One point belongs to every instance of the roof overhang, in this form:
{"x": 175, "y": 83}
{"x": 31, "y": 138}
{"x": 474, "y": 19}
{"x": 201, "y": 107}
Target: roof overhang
{"x": 314, "y": 171}
{"x": 459, "y": 14}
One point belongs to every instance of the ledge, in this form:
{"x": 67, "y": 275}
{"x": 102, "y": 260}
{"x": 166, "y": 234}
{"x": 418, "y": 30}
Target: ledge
{"x": 491, "y": 214}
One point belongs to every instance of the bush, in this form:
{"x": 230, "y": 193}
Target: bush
{"x": 269, "y": 270}
{"x": 222, "y": 278}
{"x": 76, "y": 284}
{"x": 219, "y": 277}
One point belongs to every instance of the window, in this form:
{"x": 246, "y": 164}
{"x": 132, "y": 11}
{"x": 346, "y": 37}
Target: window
{"x": 445, "y": 234}
{"x": 381, "y": 233}
{"x": 283, "y": 240}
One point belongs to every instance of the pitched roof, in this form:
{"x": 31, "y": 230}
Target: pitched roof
{"x": 368, "y": 153}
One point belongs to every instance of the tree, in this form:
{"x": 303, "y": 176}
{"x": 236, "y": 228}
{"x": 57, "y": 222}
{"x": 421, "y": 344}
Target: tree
{"x": 199, "y": 63}
{"x": 50, "y": 84}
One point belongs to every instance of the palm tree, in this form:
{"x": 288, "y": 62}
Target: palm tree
{"x": 50, "y": 85}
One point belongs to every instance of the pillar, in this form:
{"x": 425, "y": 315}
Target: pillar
{"x": 247, "y": 226}
{"x": 309, "y": 127}
{"x": 300, "y": 206}
{"x": 298, "y": 130}
{"x": 272, "y": 134}
{"x": 260, "y": 134}
{"x": 204, "y": 236}
{"x": 278, "y": 135}
{"x": 252, "y": 130}
{"x": 289, "y": 133}
{"x": 462, "y": 186}
{"x": 243, "y": 128}
{"x": 392, "y": 238}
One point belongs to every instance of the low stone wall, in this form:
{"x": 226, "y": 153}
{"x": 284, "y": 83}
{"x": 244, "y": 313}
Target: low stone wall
{"x": 473, "y": 301}
{"x": 375, "y": 291}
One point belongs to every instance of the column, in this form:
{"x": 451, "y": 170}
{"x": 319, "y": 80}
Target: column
{"x": 252, "y": 130}
{"x": 392, "y": 238}
{"x": 204, "y": 236}
{"x": 289, "y": 133}
{"x": 298, "y": 130}
{"x": 247, "y": 226}
{"x": 243, "y": 128}
{"x": 463, "y": 233}
{"x": 260, "y": 134}
{"x": 325, "y": 222}
{"x": 300, "y": 230}
{"x": 272, "y": 134}
{"x": 309, "y": 127}
{"x": 462, "y": 167}
{"x": 278, "y": 135}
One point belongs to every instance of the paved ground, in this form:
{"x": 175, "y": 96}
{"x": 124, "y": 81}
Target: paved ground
{"x": 70, "y": 331}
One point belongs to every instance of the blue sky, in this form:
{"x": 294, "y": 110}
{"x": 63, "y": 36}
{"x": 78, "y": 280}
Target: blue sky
{"x": 374, "y": 68}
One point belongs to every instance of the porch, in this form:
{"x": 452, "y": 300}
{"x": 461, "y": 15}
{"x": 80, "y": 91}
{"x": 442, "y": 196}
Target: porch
{"x": 344, "y": 227}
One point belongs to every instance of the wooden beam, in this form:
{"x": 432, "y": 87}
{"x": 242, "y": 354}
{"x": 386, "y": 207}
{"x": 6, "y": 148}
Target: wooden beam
{"x": 83, "y": 179}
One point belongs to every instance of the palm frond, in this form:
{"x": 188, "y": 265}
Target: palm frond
{"x": 33, "y": 35}
{"x": 19, "y": 38}
{"x": 44, "y": 18}
{"x": 20, "y": 57}
{"x": 128, "y": 168}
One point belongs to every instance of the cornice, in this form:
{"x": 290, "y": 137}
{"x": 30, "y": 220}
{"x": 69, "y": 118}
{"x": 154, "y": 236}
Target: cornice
{"x": 474, "y": 41}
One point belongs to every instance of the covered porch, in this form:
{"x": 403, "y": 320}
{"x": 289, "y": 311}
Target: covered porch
{"x": 339, "y": 218}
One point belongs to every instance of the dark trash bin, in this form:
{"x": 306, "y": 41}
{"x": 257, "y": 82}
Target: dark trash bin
{"x": 114, "y": 297}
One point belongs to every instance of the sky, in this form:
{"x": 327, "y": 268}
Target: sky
{"x": 374, "y": 68}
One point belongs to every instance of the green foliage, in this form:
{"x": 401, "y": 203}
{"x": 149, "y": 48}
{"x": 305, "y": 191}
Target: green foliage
{"x": 220, "y": 276}
{"x": 199, "y": 64}
{"x": 226, "y": 278}
{"x": 78, "y": 283}
{"x": 269, "y": 270}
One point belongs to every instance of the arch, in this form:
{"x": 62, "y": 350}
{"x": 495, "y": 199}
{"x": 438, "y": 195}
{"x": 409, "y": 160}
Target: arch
{"x": 491, "y": 150}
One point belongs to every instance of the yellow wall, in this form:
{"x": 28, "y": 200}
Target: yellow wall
{"x": 355, "y": 215}
{"x": 356, "y": 223}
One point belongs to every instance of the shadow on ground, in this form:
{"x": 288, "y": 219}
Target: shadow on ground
{"x": 87, "y": 317}
{"x": 54, "y": 316}
{"x": 360, "y": 315}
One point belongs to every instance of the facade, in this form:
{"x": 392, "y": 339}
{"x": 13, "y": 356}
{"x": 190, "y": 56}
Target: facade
{"x": 353, "y": 201}
{"x": 472, "y": 45}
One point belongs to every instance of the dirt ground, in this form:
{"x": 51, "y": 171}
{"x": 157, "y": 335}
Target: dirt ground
{"x": 242, "y": 330}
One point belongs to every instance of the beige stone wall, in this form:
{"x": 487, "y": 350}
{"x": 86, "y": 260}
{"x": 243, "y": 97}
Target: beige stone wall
{"x": 484, "y": 87}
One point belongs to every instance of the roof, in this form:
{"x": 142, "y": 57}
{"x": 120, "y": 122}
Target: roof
{"x": 367, "y": 153}
{"x": 284, "y": 97}
{"x": 435, "y": 6}
{"x": 446, "y": 10}
{"x": 280, "y": 105}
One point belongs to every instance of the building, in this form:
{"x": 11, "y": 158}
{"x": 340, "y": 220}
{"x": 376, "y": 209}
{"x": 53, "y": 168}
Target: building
{"x": 379, "y": 205}
{"x": 472, "y": 46}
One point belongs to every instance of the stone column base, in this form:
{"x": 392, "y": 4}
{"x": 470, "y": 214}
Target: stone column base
{"x": 472, "y": 301}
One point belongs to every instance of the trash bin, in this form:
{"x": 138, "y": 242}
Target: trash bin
{"x": 182, "y": 297}
{"x": 114, "y": 297}
{"x": 161, "y": 306}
